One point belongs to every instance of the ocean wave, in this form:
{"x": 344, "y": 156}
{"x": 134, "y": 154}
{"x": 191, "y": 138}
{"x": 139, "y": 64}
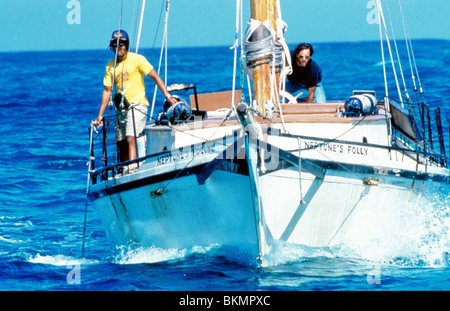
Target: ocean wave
{"x": 60, "y": 260}
{"x": 387, "y": 62}
{"x": 9, "y": 240}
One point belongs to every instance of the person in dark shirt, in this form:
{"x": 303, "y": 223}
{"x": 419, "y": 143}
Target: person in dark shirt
{"x": 306, "y": 76}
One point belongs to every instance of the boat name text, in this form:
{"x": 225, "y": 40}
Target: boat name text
{"x": 183, "y": 154}
{"x": 337, "y": 148}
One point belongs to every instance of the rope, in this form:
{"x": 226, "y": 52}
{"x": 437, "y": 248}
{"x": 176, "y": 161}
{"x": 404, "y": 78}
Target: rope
{"x": 235, "y": 46}
{"x": 163, "y": 45}
{"x": 271, "y": 49}
{"x": 281, "y": 29}
{"x": 396, "y": 50}
{"x": 110, "y": 104}
{"x": 410, "y": 50}
{"x": 133, "y": 24}
{"x": 261, "y": 49}
{"x": 115, "y": 56}
{"x": 157, "y": 28}
{"x": 140, "y": 26}
{"x": 384, "y": 62}
{"x": 380, "y": 10}
{"x": 409, "y": 46}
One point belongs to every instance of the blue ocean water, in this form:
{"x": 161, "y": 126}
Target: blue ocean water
{"x": 47, "y": 103}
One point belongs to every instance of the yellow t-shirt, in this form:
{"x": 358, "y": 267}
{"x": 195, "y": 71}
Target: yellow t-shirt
{"x": 134, "y": 67}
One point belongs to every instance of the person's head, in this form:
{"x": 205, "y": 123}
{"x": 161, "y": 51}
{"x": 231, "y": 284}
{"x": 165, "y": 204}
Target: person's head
{"x": 119, "y": 40}
{"x": 303, "y": 53}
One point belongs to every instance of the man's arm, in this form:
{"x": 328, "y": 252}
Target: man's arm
{"x": 310, "y": 97}
{"x": 311, "y": 91}
{"x": 106, "y": 95}
{"x": 160, "y": 83}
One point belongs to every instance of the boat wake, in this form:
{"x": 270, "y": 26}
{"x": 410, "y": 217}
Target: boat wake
{"x": 136, "y": 255}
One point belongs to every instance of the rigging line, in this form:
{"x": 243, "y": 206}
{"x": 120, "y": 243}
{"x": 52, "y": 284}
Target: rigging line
{"x": 413, "y": 57}
{"x": 166, "y": 24}
{"x": 274, "y": 91}
{"x": 410, "y": 49}
{"x": 383, "y": 60}
{"x": 110, "y": 104}
{"x": 415, "y": 65}
{"x": 279, "y": 37}
{"x": 235, "y": 46}
{"x": 140, "y": 26}
{"x": 407, "y": 46}
{"x": 386, "y": 89}
{"x": 133, "y": 24}
{"x": 396, "y": 50}
{"x": 115, "y": 54}
{"x": 380, "y": 11}
{"x": 135, "y": 13}
{"x": 157, "y": 28}
{"x": 164, "y": 42}
{"x": 242, "y": 61}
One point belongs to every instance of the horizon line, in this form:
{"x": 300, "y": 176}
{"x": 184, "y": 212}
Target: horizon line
{"x": 211, "y": 46}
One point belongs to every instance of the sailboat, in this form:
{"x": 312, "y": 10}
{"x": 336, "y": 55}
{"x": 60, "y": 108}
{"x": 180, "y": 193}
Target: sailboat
{"x": 248, "y": 172}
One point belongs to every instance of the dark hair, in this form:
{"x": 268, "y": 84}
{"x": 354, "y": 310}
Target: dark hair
{"x": 304, "y": 46}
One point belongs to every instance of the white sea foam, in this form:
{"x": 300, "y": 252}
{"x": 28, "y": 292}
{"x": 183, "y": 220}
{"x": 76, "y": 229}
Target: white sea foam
{"x": 60, "y": 260}
{"x": 285, "y": 253}
{"x": 137, "y": 255}
{"x": 9, "y": 240}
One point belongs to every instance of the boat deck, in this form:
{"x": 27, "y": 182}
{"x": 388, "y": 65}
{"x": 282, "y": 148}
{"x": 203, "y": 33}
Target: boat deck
{"x": 330, "y": 112}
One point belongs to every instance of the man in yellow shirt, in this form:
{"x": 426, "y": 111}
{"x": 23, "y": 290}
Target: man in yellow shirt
{"x": 127, "y": 74}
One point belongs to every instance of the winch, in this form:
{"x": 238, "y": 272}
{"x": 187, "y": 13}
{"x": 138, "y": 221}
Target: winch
{"x": 178, "y": 113}
{"x": 361, "y": 104}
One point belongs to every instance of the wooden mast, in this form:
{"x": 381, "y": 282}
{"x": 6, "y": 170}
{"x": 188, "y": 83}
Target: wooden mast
{"x": 262, "y": 10}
